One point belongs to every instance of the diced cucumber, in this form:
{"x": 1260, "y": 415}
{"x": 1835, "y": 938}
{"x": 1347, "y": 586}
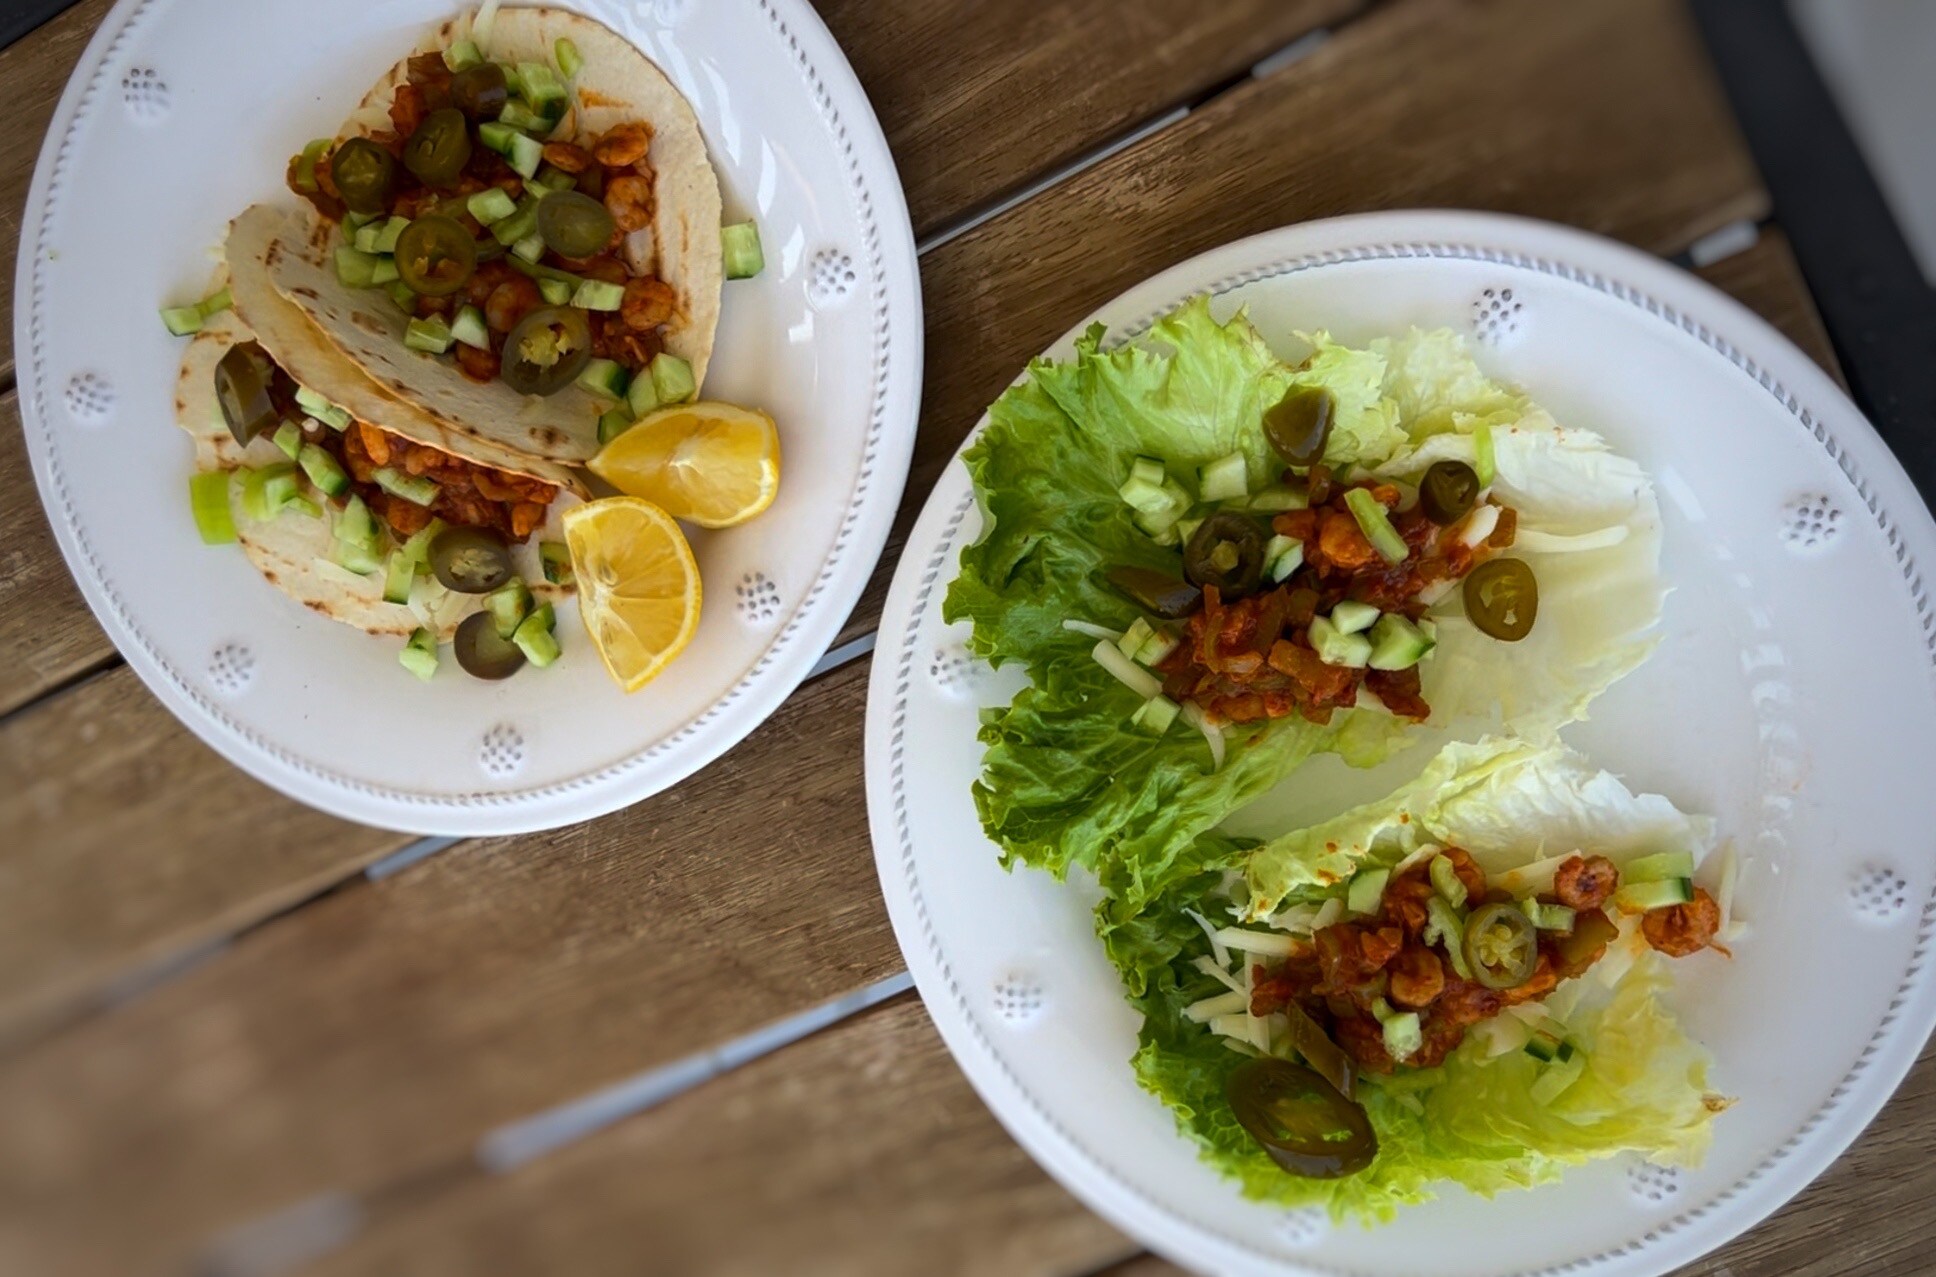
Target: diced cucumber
{"x": 1403, "y": 1036}
{"x": 642, "y": 396}
{"x": 1277, "y": 499}
{"x": 360, "y": 559}
{"x": 266, "y": 488}
{"x": 1334, "y": 648}
{"x": 617, "y": 421}
{"x": 403, "y": 295}
{"x": 1548, "y": 917}
{"x": 301, "y": 505}
{"x": 322, "y": 409}
{"x": 1149, "y": 470}
{"x": 1666, "y": 864}
{"x": 496, "y": 136}
{"x": 1639, "y": 897}
{"x": 556, "y": 559}
{"x": 398, "y": 576}
{"x": 323, "y": 470}
{"x": 1367, "y": 891}
{"x": 526, "y": 153}
{"x": 1353, "y": 617}
{"x": 1186, "y": 529}
{"x": 535, "y": 639}
{"x": 431, "y": 336}
{"x": 354, "y": 268}
{"x": 556, "y": 292}
{"x": 386, "y": 239}
{"x": 520, "y": 225}
{"x": 419, "y": 655}
{"x": 1180, "y": 498}
{"x": 541, "y": 84}
{"x": 288, "y": 437}
{"x": 305, "y": 164}
{"x": 1446, "y": 881}
{"x": 530, "y": 249}
{"x": 366, "y": 237}
{"x": 386, "y": 272}
{"x": 215, "y": 303}
{"x": 462, "y": 55}
{"x": 512, "y": 84}
{"x": 741, "y": 244}
{"x": 1161, "y": 531}
{"x": 354, "y": 221}
{"x": 570, "y": 60}
{"x": 544, "y": 613}
{"x": 1134, "y": 637}
{"x": 1142, "y": 495}
{"x": 508, "y": 605}
{"x": 672, "y": 378}
{"x": 489, "y": 206}
{"x": 1543, "y": 1046}
{"x": 182, "y": 321}
{"x": 355, "y": 525}
{"x": 549, "y": 179}
{"x": 416, "y": 489}
{"x": 604, "y": 378}
{"x": 519, "y": 116}
{"x": 1376, "y": 525}
{"x": 1282, "y": 556}
{"x": 1154, "y": 716}
{"x": 1484, "y": 462}
{"x": 1157, "y": 648}
{"x": 1397, "y": 644}
{"x": 598, "y": 294}
{"x": 1554, "y": 1080}
{"x": 1225, "y": 479}
{"x": 469, "y": 328}
{"x": 208, "y": 500}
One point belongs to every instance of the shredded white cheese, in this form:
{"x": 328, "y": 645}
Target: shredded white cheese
{"x": 1206, "y": 964}
{"x": 1220, "y": 1004}
{"x": 1328, "y": 913}
{"x": 1269, "y": 944}
{"x": 1093, "y": 631}
{"x": 1479, "y": 525}
{"x": 1218, "y": 950}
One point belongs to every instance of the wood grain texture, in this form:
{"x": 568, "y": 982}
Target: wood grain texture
{"x": 34, "y": 71}
{"x": 383, "y": 1029}
{"x": 600, "y": 1205}
{"x": 1767, "y": 280}
{"x": 1602, "y": 114}
{"x": 980, "y": 97}
{"x": 46, "y": 629}
{"x": 128, "y": 841}
{"x": 860, "y": 1152}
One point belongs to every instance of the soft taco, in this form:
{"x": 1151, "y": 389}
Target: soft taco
{"x": 516, "y": 227}
{"x": 350, "y": 499}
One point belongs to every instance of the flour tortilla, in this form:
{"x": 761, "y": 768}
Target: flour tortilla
{"x": 294, "y": 553}
{"x": 617, "y": 84}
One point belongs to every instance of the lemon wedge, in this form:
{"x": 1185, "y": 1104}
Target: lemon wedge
{"x": 638, "y": 586}
{"x": 713, "y": 463}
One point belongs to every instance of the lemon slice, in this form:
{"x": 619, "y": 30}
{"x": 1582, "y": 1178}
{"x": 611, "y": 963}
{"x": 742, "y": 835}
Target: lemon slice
{"x": 713, "y": 463}
{"x": 638, "y": 587}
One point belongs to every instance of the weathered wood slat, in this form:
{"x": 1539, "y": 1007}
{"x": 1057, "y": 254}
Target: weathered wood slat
{"x": 980, "y": 97}
{"x": 46, "y": 629}
{"x": 383, "y": 1029}
{"x": 129, "y": 841}
{"x": 861, "y": 1152}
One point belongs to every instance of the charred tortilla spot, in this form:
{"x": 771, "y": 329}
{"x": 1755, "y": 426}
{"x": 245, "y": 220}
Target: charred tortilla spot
{"x": 304, "y": 290}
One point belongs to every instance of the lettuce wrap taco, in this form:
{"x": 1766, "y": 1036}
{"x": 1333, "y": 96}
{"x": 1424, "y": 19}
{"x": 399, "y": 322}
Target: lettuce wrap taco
{"x": 1215, "y": 563}
{"x": 1459, "y": 983}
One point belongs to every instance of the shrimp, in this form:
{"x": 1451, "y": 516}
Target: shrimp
{"x": 1417, "y": 977}
{"x": 648, "y": 303}
{"x": 623, "y": 144}
{"x": 375, "y": 442}
{"x": 511, "y": 301}
{"x": 565, "y": 156}
{"x": 1585, "y": 882}
{"x": 1683, "y": 929}
{"x": 628, "y": 198}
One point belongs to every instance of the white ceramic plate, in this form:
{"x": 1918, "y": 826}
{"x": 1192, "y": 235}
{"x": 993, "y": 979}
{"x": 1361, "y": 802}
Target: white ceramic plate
{"x": 1793, "y": 698}
{"x": 182, "y": 113}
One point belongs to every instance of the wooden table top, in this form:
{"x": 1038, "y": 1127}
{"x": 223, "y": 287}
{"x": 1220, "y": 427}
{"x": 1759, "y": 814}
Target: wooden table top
{"x": 235, "y": 1038}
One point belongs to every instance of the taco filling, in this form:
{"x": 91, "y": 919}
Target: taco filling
{"x": 508, "y": 252}
{"x": 404, "y": 483}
